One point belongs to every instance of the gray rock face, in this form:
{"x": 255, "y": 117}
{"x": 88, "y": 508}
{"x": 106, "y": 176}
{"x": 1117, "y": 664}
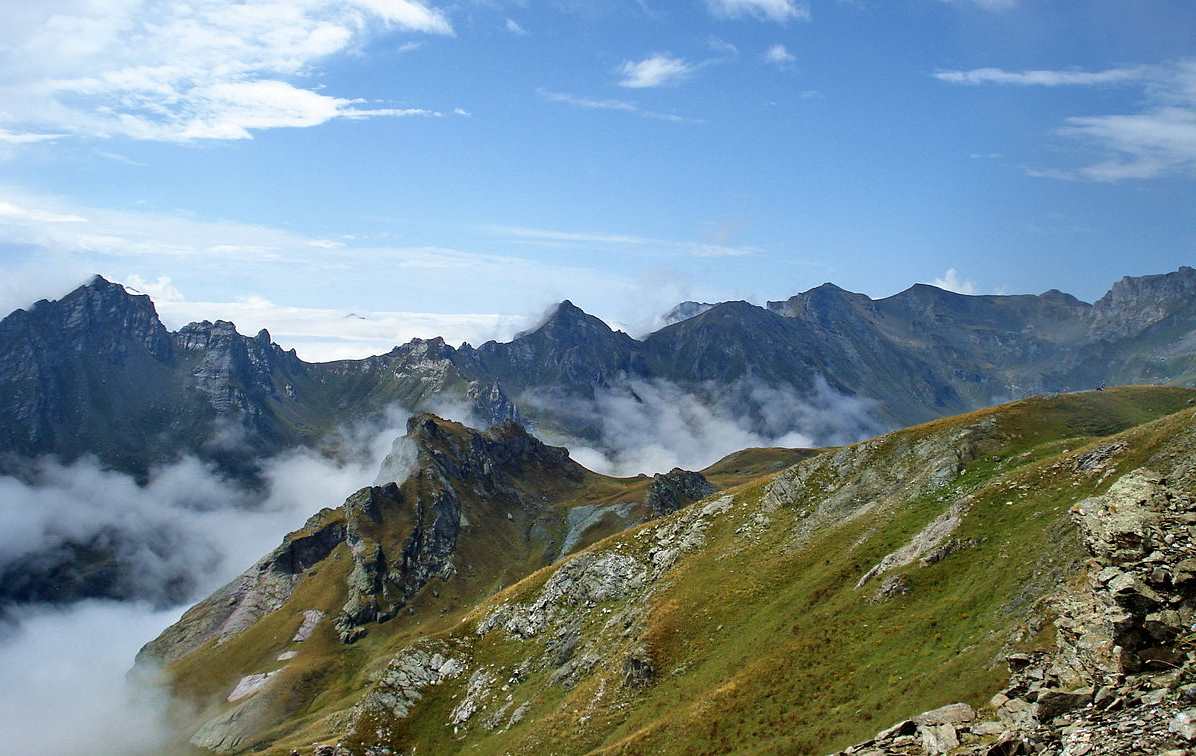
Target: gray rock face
{"x": 230, "y": 731}
{"x": 675, "y": 489}
{"x": 585, "y": 580}
{"x": 400, "y": 686}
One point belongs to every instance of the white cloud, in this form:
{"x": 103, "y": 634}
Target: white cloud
{"x": 184, "y": 70}
{"x": 1043, "y": 77}
{"x": 161, "y": 290}
{"x": 324, "y": 334}
{"x": 118, "y": 157}
{"x": 515, "y": 28}
{"x": 622, "y": 106}
{"x": 14, "y": 213}
{"x": 780, "y": 11}
{"x": 952, "y": 281}
{"x": 779, "y": 55}
{"x": 10, "y": 137}
{"x": 988, "y": 5}
{"x": 1157, "y": 140}
{"x": 187, "y": 526}
{"x": 654, "y": 71}
{"x": 1144, "y": 145}
{"x": 559, "y": 237}
{"x": 653, "y": 426}
{"x": 70, "y": 665}
{"x": 408, "y": 14}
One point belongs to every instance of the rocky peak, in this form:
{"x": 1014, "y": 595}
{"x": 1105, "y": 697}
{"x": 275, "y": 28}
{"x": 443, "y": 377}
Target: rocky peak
{"x": 820, "y": 304}
{"x": 1055, "y": 296}
{"x": 571, "y": 350}
{"x": 684, "y": 311}
{"x": 233, "y": 370}
{"x": 98, "y": 317}
{"x": 1135, "y": 303}
{"x": 569, "y": 323}
{"x": 493, "y": 456}
{"x": 490, "y": 403}
{"x": 401, "y": 538}
{"x": 675, "y": 489}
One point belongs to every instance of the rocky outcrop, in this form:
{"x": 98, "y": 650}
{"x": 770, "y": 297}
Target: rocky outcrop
{"x": 675, "y": 489}
{"x": 1122, "y": 676}
{"x": 586, "y": 580}
{"x": 260, "y": 590}
{"x": 401, "y": 684}
{"x": 1136, "y": 303}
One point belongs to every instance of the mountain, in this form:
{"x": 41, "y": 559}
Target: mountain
{"x": 684, "y": 311}
{"x": 571, "y": 352}
{"x": 1020, "y": 579}
{"x": 97, "y": 373}
{"x": 475, "y": 511}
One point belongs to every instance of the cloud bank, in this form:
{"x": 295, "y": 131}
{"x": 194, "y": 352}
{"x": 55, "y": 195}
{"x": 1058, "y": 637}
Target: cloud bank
{"x": 179, "y": 537}
{"x": 654, "y": 426}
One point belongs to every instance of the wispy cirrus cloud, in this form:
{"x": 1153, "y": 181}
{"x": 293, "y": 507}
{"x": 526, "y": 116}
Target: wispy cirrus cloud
{"x": 607, "y": 239}
{"x": 656, "y": 70}
{"x": 620, "y": 106}
{"x": 188, "y": 70}
{"x": 1045, "y": 77}
{"x": 1157, "y": 140}
{"x": 779, "y": 55}
{"x": 13, "y": 137}
{"x": 988, "y": 5}
{"x": 780, "y": 11}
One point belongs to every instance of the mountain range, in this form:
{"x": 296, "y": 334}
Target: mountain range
{"x": 997, "y": 580}
{"x": 97, "y": 373}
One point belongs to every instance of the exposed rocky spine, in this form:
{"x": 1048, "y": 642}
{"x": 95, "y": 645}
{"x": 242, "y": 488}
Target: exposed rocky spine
{"x": 675, "y": 489}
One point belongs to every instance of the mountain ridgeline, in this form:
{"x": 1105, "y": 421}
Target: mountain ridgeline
{"x": 97, "y": 373}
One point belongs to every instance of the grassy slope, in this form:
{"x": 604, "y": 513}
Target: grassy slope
{"x": 761, "y": 647}
{"x": 328, "y": 676}
{"x": 745, "y": 465}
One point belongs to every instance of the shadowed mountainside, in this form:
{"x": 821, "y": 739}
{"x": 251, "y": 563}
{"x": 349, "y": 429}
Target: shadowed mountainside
{"x": 97, "y": 373}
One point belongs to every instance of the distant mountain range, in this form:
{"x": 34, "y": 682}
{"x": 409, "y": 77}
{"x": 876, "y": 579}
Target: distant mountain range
{"x": 96, "y": 372}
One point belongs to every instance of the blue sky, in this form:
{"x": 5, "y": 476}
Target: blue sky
{"x": 456, "y": 167}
